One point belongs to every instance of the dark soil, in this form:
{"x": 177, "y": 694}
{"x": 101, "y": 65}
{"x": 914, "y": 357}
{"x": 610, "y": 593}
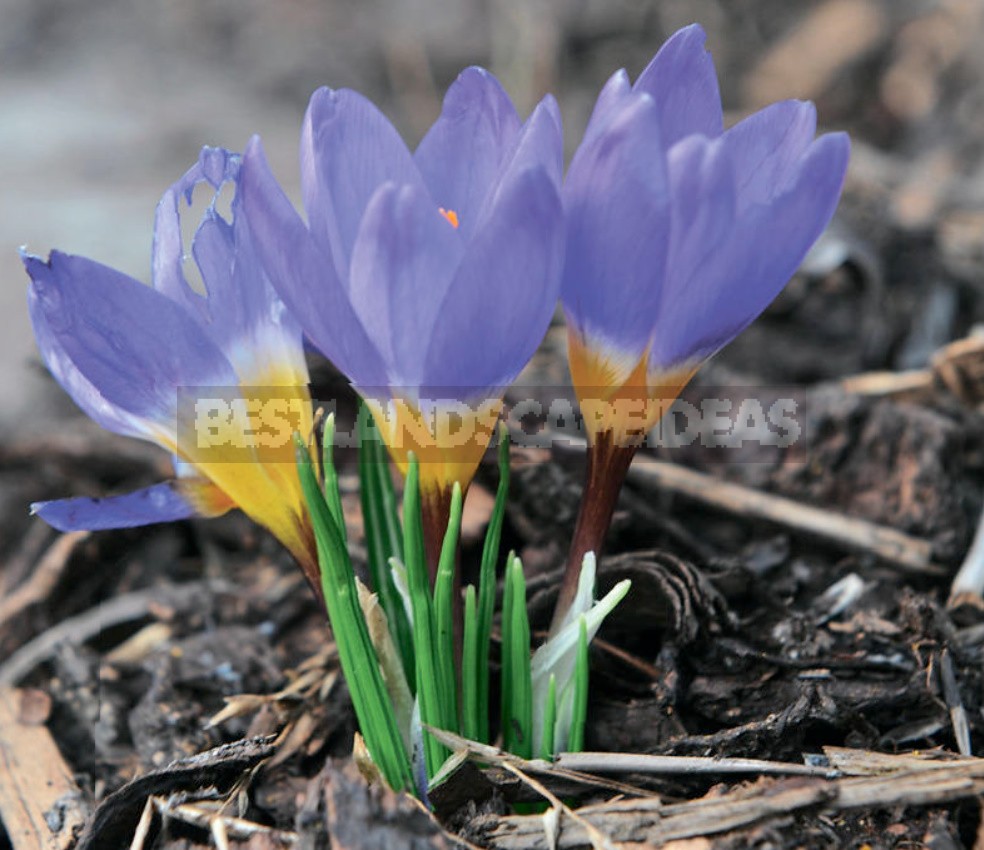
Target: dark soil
{"x": 728, "y": 644}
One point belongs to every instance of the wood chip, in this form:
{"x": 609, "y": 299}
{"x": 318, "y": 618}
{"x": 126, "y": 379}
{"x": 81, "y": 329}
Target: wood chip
{"x": 40, "y": 804}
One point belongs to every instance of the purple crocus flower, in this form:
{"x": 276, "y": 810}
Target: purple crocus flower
{"x": 170, "y": 365}
{"x": 679, "y": 234}
{"x": 429, "y": 279}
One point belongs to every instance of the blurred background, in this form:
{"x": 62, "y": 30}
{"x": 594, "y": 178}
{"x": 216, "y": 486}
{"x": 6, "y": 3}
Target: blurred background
{"x": 103, "y": 103}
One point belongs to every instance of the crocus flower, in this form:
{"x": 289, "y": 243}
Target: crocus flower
{"x": 429, "y": 279}
{"x": 195, "y": 373}
{"x": 679, "y": 234}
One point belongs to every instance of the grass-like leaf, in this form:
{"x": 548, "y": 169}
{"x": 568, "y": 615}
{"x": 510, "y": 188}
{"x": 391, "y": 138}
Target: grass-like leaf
{"x": 575, "y": 742}
{"x": 384, "y": 537}
{"x": 358, "y": 658}
{"x": 418, "y": 582}
{"x": 558, "y": 656}
{"x": 486, "y": 596}
{"x": 549, "y": 720}
{"x": 517, "y": 687}
{"x": 471, "y": 710}
{"x": 444, "y": 614}
{"x": 333, "y": 496}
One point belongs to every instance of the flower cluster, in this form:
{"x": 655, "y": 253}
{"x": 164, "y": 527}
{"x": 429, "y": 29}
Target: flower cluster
{"x": 429, "y": 278}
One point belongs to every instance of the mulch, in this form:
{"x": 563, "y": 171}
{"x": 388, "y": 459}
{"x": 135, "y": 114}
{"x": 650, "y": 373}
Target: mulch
{"x": 176, "y": 686}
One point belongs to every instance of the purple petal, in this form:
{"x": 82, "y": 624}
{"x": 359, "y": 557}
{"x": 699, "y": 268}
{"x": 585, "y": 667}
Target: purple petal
{"x": 720, "y": 297}
{"x": 158, "y": 503}
{"x": 78, "y": 387}
{"x": 303, "y": 276}
{"x": 703, "y": 226}
{"x": 348, "y": 150}
{"x": 682, "y": 81}
{"x": 168, "y": 257}
{"x": 702, "y": 180}
{"x": 240, "y": 310}
{"x": 462, "y": 153}
{"x": 767, "y": 148}
{"x": 247, "y": 318}
{"x": 216, "y": 166}
{"x": 618, "y": 223}
{"x": 130, "y": 343}
{"x": 503, "y": 296}
{"x": 213, "y": 249}
{"x": 615, "y": 95}
{"x": 539, "y": 145}
{"x": 778, "y": 235}
{"x": 402, "y": 264}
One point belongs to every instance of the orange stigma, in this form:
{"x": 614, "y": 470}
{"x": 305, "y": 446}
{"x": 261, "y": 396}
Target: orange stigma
{"x": 450, "y": 215}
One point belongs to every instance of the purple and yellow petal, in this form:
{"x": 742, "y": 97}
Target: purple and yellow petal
{"x": 448, "y": 438}
{"x": 617, "y": 200}
{"x": 432, "y": 273}
{"x": 680, "y": 234}
{"x": 622, "y": 399}
{"x": 139, "y": 359}
{"x": 303, "y": 275}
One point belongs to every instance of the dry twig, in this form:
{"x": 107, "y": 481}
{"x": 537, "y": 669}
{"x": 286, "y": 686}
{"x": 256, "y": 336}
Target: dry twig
{"x": 909, "y": 553}
{"x": 898, "y": 781}
{"x": 580, "y": 766}
{"x": 902, "y": 550}
{"x": 44, "y": 577}
{"x": 85, "y": 626}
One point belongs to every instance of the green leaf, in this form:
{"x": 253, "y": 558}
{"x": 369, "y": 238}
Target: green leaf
{"x": 390, "y": 514}
{"x": 384, "y": 537}
{"x": 333, "y": 496}
{"x": 517, "y": 686}
{"x": 486, "y": 591}
{"x": 471, "y": 710}
{"x": 444, "y": 615}
{"x": 549, "y": 720}
{"x": 418, "y": 582}
{"x": 575, "y": 742}
{"x": 358, "y": 658}
{"x": 557, "y": 657}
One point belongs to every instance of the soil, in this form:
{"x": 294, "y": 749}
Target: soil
{"x": 741, "y": 637}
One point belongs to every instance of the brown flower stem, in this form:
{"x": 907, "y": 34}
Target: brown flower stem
{"x": 435, "y": 511}
{"x": 608, "y": 465}
{"x": 309, "y": 565}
